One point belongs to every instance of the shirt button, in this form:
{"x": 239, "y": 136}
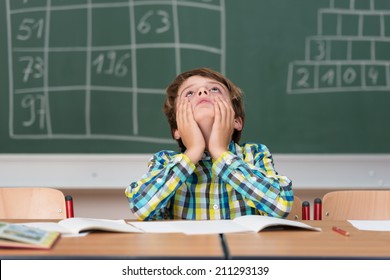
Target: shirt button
{"x": 159, "y": 180}
{"x": 215, "y": 207}
{"x": 229, "y": 161}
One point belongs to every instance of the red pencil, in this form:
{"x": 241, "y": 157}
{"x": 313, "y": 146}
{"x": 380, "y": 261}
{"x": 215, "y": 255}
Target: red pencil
{"x": 341, "y": 231}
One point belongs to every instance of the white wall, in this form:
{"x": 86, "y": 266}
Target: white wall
{"x": 116, "y": 171}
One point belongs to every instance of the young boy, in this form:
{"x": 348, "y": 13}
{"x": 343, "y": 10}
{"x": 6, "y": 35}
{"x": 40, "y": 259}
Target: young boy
{"x": 213, "y": 177}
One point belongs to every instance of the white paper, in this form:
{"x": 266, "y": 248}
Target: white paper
{"x": 249, "y": 223}
{"x": 373, "y": 225}
{"x": 191, "y": 227}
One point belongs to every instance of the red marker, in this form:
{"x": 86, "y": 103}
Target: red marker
{"x": 69, "y": 206}
{"x": 317, "y": 209}
{"x": 305, "y": 210}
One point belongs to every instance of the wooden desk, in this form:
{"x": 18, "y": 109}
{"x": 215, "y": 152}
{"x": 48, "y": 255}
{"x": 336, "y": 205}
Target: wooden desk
{"x": 267, "y": 244}
{"x": 300, "y": 244}
{"x": 107, "y": 245}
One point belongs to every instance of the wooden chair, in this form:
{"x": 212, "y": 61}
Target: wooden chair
{"x": 356, "y": 205}
{"x": 296, "y": 212}
{"x": 33, "y": 203}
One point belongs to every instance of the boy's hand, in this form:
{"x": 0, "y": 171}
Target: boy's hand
{"x": 189, "y": 130}
{"x": 223, "y": 127}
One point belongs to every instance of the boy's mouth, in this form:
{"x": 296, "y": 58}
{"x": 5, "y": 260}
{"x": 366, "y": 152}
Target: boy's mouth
{"x": 203, "y": 100}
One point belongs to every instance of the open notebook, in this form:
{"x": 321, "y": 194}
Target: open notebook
{"x": 250, "y": 223}
{"x": 75, "y": 226}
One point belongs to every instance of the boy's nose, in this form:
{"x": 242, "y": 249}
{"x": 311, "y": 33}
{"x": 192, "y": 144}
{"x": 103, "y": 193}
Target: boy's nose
{"x": 202, "y": 91}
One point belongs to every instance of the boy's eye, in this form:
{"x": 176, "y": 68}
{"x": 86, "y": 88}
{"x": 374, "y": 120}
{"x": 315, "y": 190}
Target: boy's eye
{"x": 215, "y": 90}
{"x": 189, "y": 93}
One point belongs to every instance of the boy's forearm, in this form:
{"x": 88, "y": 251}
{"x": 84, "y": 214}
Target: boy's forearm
{"x": 268, "y": 192}
{"x": 194, "y": 154}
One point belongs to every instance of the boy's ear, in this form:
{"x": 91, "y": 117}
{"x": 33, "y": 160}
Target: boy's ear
{"x": 238, "y": 123}
{"x": 176, "y": 134}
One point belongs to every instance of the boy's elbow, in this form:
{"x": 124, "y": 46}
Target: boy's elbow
{"x": 288, "y": 210}
{"x": 138, "y": 213}
{"x": 139, "y": 217}
{"x": 283, "y": 207}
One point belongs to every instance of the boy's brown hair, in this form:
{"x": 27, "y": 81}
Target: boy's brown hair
{"x": 236, "y": 96}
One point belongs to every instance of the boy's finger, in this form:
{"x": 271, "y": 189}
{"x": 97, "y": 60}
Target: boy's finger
{"x": 225, "y": 109}
{"x": 217, "y": 111}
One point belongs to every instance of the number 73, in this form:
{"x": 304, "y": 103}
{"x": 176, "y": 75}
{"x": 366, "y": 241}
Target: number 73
{"x": 34, "y": 67}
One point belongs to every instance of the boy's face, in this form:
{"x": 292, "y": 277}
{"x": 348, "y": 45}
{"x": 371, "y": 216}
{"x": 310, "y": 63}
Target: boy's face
{"x": 201, "y": 92}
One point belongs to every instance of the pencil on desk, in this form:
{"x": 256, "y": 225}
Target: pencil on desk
{"x": 341, "y": 231}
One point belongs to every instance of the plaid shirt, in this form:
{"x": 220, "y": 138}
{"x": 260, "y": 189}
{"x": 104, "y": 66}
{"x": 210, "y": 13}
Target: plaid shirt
{"x": 242, "y": 181}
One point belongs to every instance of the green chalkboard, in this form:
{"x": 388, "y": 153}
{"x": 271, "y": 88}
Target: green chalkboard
{"x": 88, "y": 76}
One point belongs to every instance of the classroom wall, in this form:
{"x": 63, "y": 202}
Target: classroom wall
{"x": 100, "y": 203}
{"x": 117, "y": 171}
